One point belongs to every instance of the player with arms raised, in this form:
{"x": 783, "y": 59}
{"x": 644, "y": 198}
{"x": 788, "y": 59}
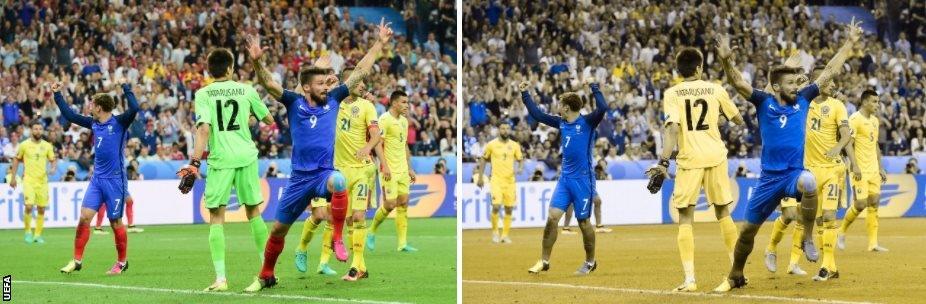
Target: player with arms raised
{"x": 313, "y": 123}
{"x": 35, "y": 155}
{"x": 576, "y": 184}
{"x": 782, "y": 115}
{"x": 504, "y": 153}
{"x": 396, "y": 185}
{"x": 109, "y": 184}
{"x": 867, "y": 181}
{"x": 702, "y": 154}
{"x": 223, "y": 109}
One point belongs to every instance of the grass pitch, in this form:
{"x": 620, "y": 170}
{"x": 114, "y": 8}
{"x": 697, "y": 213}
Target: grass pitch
{"x": 640, "y": 264}
{"x": 171, "y": 264}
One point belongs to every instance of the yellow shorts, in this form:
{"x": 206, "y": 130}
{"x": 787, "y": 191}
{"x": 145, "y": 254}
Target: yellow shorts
{"x": 828, "y": 189}
{"x": 714, "y": 180}
{"x": 319, "y": 202}
{"x": 360, "y": 186}
{"x": 843, "y": 192}
{"x": 398, "y": 185}
{"x": 36, "y": 194}
{"x": 789, "y": 202}
{"x": 870, "y": 185}
{"x": 504, "y": 193}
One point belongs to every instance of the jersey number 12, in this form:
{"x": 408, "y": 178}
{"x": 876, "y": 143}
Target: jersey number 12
{"x": 701, "y": 125}
{"x": 231, "y": 126}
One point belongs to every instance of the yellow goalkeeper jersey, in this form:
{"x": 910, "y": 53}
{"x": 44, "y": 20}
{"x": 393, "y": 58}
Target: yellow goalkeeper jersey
{"x": 696, "y": 107}
{"x": 35, "y": 157}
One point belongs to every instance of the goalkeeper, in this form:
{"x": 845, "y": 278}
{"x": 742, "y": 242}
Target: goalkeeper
{"x": 692, "y": 110}
{"x": 223, "y": 109}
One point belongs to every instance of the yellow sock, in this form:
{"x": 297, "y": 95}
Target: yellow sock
{"x": 686, "y": 250}
{"x": 851, "y": 215}
{"x": 326, "y": 244}
{"x": 401, "y": 225}
{"x": 778, "y": 230}
{"x": 350, "y": 234}
{"x": 27, "y": 221}
{"x": 818, "y": 236}
{"x": 506, "y": 227}
{"x": 378, "y": 218}
{"x": 494, "y": 219}
{"x": 39, "y": 224}
{"x": 729, "y": 233}
{"x": 358, "y": 241}
{"x": 308, "y": 229}
{"x": 872, "y": 222}
{"x": 829, "y": 244}
{"x": 796, "y": 238}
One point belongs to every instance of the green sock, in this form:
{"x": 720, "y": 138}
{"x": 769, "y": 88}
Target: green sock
{"x": 260, "y": 233}
{"x": 217, "y": 248}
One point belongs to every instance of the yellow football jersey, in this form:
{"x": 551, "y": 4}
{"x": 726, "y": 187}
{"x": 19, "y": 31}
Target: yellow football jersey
{"x": 823, "y": 121}
{"x": 696, "y": 107}
{"x": 35, "y": 157}
{"x": 395, "y": 138}
{"x": 865, "y": 136}
{"x": 354, "y": 121}
{"x": 502, "y": 156}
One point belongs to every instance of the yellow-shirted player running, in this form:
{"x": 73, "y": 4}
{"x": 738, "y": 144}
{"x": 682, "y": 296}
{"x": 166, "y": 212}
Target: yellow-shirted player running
{"x": 396, "y": 185}
{"x": 35, "y": 153}
{"x": 502, "y": 152}
{"x": 692, "y": 109}
{"x": 827, "y": 136}
{"x": 866, "y": 182}
{"x": 357, "y": 135}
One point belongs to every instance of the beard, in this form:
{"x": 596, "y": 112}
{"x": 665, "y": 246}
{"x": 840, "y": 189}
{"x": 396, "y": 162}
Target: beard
{"x": 318, "y": 99}
{"x": 789, "y": 98}
{"x": 36, "y": 136}
{"x": 504, "y": 136}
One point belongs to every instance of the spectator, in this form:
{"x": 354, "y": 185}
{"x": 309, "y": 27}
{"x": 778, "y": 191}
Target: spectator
{"x": 912, "y": 166}
{"x": 440, "y": 168}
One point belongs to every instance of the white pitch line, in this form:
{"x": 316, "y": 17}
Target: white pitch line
{"x": 199, "y": 292}
{"x": 667, "y": 293}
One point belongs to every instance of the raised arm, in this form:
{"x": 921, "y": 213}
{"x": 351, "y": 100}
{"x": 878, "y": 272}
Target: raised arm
{"x": 366, "y": 64}
{"x": 601, "y": 107}
{"x": 535, "y": 111}
{"x": 256, "y": 53}
{"x": 67, "y": 112}
{"x": 126, "y": 118}
{"x": 834, "y": 66}
{"x": 734, "y": 77}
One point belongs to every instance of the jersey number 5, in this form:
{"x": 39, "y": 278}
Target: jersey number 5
{"x": 701, "y": 125}
{"x": 231, "y": 126}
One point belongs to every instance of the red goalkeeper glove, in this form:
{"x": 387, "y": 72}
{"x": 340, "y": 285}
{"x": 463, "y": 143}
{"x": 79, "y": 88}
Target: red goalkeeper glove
{"x": 187, "y": 175}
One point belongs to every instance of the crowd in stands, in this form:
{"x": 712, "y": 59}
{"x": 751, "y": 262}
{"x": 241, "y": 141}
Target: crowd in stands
{"x": 629, "y": 47}
{"x": 160, "y": 48}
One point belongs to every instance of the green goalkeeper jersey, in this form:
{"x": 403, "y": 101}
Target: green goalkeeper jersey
{"x": 226, "y": 106}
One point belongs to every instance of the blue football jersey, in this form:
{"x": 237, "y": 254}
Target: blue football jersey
{"x": 313, "y": 128}
{"x": 108, "y": 137}
{"x": 783, "y": 128}
{"x": 578, "y": 138}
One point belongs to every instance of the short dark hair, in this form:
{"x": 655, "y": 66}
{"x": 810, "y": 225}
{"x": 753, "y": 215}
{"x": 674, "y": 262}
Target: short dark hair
{"x": 688, "y": 60}
{"x": 346, "y": 72}
{"x": 396, "y": 95}
{"x": 105, "y": 101}
{"x": 777, "y": 72}
{"x": 218, "y": 62}
{"x": 306, "y": 74}
{"x": 572, "y": 100}
{"x": 868, "y": 93}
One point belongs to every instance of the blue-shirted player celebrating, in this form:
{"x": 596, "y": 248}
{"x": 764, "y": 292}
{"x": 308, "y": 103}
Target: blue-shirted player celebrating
{"x": 782, "y": 115}
{"x": 312, "y": 122}
{"x": 108, "y": 185}
{"x": 576, "y": 184}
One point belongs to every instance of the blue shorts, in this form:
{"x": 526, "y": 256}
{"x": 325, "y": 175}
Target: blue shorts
{"x": 772, "y": 187}
{"x": 301, "y": 188}
{"x": 107, "y": 191}
{"x": 576, "y": 191}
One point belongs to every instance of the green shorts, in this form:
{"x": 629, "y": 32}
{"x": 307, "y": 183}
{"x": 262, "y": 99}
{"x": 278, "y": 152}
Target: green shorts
{"x": 219, "y": 183}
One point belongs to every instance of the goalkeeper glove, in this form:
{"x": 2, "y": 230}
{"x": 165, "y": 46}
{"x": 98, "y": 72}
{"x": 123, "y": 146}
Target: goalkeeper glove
{"x": 187, "y": 175}
{"x": 657, "y": 175}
